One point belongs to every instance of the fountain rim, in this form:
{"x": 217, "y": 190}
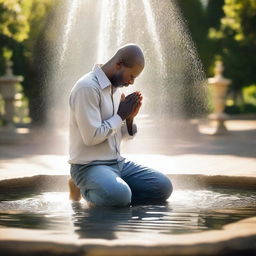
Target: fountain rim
{"x": 212, "y": 242}
{"x": 58, "y": 183}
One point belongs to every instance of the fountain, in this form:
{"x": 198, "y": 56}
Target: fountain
{"x": 173, "y": 70}
{"x": 195, "y": 219}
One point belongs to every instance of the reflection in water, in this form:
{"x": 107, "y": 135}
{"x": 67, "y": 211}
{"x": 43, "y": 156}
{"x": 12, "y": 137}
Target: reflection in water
{"x": 187, "y": 211}
{"x": 105, "y": 223}
{"x": 105, "y": 220}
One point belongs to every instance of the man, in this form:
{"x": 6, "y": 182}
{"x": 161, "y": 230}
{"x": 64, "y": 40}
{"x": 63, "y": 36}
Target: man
{"x": 99, "y": 118}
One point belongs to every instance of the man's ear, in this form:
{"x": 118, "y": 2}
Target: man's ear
{"x": 119, "y": 64}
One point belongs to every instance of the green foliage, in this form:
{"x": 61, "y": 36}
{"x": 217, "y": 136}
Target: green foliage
{"x": 248, "y": 104}
{"x": 14, "y": 19}
{"x": 21, "y": 22}
{"x": 200, "y": 20}
{"x": 7, "y": 53}
{"x": 249, "y": 94}
{"x": 244, "y": 108}
{"x": 240, "y": 20}
{"x": 194, "y": 15}
{"x": 37, "y": 18}
{"x": 214, "y": 13}
{"x": 22, "y": 26}
{"x": 225, "y": 30}
{"x": 236, "y": 38}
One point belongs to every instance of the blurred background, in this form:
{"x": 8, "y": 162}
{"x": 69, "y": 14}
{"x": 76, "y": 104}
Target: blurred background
{"x": 32, "y": 48}
{"x": 221, "y": 30}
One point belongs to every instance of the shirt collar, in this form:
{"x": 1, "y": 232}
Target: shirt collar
{"x": 101, "y": 76}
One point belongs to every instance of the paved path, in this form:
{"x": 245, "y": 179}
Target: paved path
{"x": 180, "y": 150}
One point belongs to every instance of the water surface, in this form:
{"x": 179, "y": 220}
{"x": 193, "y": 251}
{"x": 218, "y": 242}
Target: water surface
{"x": 187, "y": 211}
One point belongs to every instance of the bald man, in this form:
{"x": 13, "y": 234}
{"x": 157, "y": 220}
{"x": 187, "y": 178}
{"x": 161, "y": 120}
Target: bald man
{"x": 100, "y": 117}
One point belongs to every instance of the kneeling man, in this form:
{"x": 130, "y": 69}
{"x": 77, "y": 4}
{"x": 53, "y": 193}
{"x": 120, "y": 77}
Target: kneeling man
{"x": 99, "y": 118}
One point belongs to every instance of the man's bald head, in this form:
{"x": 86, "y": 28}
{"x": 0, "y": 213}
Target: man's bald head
{"x": 126, "y": 65}
{"x": 129, "y": 55}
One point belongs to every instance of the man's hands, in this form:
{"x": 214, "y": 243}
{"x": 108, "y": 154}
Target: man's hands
{"x": 137, "y": 107}
{"x": 129, "y": 106}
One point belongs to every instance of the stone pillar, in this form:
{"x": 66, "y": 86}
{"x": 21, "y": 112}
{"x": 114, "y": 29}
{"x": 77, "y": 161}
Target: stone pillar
{"x": 7, "y": 90}
{"x": 219, "y": 86}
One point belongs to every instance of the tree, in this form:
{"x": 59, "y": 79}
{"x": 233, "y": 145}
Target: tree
{"x": 213, "y": 13}
{"x": 237, "y": 40}
{"x": 14, "y": 19}
{"x": 200, "y": 20}
{"x": 14, "y": 28}
{"x": 36, "y": 62}
{"x": 22, "y": 30}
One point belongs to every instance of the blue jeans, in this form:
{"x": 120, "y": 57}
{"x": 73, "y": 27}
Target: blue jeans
{"x": 112, "y": 183}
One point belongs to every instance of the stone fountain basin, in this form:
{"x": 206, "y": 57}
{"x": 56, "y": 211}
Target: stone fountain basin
{"x": 232, "y": 239}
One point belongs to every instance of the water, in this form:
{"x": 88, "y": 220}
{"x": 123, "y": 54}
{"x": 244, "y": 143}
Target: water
{"x": 91, "y": 31}
{"x": 73, "y": 8}
{"x": 187, "y": 211}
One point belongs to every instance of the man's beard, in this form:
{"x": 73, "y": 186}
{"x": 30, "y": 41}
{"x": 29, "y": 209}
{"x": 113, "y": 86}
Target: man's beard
{"x": 117, "y": 79}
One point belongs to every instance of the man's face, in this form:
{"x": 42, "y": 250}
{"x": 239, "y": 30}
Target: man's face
{"x": 125, "y": 76}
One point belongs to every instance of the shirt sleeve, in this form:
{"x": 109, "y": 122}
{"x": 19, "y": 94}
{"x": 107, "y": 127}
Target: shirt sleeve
{"x": 125, "y": 133}
{"x": 85, "y": 103}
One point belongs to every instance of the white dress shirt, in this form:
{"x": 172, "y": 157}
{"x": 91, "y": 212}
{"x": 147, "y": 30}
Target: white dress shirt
{"x": 95, "y": 129}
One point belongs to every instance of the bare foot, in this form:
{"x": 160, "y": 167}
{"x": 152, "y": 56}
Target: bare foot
{"x": 90, "y": 204}
{"x": 74, "y": 191}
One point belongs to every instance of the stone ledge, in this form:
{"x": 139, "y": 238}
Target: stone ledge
{"x": 235, "y": 239}
{"x": 42, "y": 183}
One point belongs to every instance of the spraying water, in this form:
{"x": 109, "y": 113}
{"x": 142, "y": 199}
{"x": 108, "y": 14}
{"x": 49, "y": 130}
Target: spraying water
{"x": 73, "y": 5}
{"x": 172, "y": 81}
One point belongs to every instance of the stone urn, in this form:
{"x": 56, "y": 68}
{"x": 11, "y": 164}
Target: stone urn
{"x": 7, "y": 90}
{"x": 219, "y": 86}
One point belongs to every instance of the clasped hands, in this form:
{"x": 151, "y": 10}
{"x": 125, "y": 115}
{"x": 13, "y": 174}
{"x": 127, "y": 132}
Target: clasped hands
{"x": 130, "y": 105}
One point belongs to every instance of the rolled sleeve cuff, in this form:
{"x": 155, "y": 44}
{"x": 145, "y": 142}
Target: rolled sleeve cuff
{"x": 115, "y": 121}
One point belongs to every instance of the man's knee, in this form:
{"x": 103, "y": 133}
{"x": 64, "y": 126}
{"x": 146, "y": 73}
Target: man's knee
{"x": 118, "y": 195}
{"x": 167, "y": 187}
{"x": 164, "y": 186}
